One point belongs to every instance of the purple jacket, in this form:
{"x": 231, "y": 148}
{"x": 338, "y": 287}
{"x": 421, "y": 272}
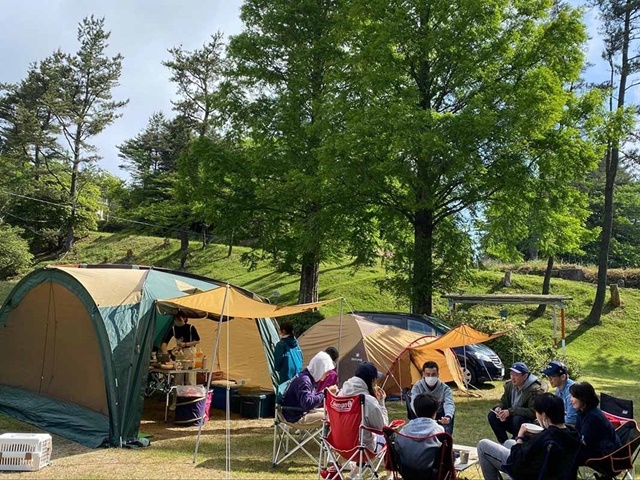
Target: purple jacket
{"x": 301, "y": 395}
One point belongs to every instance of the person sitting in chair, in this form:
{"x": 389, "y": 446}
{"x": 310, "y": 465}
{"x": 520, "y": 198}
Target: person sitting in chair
{"x": 516, "y": 404}
{"x": 416, "y": 452}
{"x": 430, "y": 383}
{"x": 524, "y": 458}
{"x": 301, "y": 402}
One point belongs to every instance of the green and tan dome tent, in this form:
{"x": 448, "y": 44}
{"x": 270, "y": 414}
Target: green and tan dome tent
{"x": 75, "y": 343}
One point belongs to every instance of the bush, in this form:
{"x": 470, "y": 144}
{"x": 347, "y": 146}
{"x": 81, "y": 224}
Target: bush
{"x": 516, "y": 345}
{"x": 15, "y": 256}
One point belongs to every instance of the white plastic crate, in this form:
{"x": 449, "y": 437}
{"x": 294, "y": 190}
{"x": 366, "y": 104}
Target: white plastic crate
{"x": 25, "y": 451}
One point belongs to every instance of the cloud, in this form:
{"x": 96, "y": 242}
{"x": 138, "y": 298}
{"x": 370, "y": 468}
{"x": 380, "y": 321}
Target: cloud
{"x": 141, "y": 30}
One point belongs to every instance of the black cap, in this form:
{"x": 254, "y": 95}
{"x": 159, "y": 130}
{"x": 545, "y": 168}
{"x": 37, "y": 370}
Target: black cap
{"x": 367, "y": 371}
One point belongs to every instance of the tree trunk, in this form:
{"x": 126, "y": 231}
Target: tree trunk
{"x": 613, "y": 157}
{"x": 73, "y": 192}
{"x": 546, "y": 284}
{"x": 309, "y": 278}
{"x": 184, "y": 248}
{"x": 423, "y": 275}
{"x": 230, "y": 249}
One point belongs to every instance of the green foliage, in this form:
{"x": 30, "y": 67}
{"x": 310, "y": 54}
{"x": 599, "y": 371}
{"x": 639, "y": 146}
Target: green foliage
{"x": 15, "y": 257}
{"x": 441, "y": 106}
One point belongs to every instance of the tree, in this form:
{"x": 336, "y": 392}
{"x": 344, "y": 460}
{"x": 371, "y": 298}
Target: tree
{"x": 441, "y": 104}
{"x": 79, "y": 99}
{"x": 197, "y": 75}
{"x": 620, "y": 28}
{"x": 548, "y": 212}
{"x": 279, "y": 101}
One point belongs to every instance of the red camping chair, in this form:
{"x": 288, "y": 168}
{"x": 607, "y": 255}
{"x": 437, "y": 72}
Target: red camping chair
{"x": 343, "y": 439}
{"x": 619, "y": 462}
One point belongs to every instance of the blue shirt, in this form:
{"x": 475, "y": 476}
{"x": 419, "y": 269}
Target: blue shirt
{"x": 571, "y": 414}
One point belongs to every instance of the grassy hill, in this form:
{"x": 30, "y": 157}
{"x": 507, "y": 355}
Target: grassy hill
{"x": 607, "y": 353}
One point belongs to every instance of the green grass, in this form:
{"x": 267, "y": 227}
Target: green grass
{"x": 607, "y": 353}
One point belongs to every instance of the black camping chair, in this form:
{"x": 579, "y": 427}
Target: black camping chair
{"x": 616, "y": 407}
{"x": 560, "y": 463}
{"x": 619, "y": 464}
{"x": 431, "y": 459}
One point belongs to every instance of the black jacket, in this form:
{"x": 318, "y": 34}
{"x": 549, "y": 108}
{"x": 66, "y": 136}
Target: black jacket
{"x": 527, "y": 460}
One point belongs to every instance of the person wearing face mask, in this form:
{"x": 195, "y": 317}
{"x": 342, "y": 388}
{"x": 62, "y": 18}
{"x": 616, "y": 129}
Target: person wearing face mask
{"x": 524, "y": 457}
{"x": 430, "y": 383}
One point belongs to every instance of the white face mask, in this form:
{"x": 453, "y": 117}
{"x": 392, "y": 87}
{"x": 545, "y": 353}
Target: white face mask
{"x": 431, "y": 381}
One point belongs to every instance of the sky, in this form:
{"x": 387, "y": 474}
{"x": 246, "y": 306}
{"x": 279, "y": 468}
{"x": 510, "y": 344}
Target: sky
{"x": 142, "y": 31}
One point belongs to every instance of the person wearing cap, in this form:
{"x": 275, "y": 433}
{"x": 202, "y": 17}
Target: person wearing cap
{"x": 558, "y": 376}
{"x": 375, "y": 412}
{"x": 516, "y": 404}
{"x": 301, "y": 402}
{"x": 430, "y": 383}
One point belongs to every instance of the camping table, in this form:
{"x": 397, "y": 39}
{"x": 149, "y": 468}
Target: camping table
{"x": 161, "y": 380}
{"x": 473, "y": 457}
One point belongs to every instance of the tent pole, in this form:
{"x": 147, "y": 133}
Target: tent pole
{"x": 562, "y": 330}
{"x": 340, "y": 337}
{"x": 555, "y": 327}
{"x": 210, "y": 373}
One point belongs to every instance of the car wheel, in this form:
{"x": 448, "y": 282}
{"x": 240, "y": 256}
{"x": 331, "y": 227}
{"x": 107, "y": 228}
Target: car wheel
{"x": 469, "y": 375}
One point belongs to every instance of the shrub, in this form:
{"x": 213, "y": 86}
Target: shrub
{"x": 516, "y": 345}
{"x": 15, "y": 256}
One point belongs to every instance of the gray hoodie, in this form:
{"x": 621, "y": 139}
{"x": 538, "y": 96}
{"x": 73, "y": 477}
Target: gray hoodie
{"x": 441, "y": 391}
{"x": 375, "y": 413}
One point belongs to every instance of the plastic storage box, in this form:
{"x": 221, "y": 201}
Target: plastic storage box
{"x": 26, "y": 452}
{"x": 220, "y": 395}
{"x": 258, "y": 405}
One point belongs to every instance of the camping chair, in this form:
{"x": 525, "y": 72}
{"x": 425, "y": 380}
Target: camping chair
{"x": 343, "y": 438}
{"x": 431, "y": 460}
{"x": 619, "y": 462}
{"x": 559, "y": 463}
{"x": 617, "y": 410}
{"x": 289, "y": 437}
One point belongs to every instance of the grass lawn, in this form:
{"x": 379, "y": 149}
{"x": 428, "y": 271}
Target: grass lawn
{"x": 608, "y": 355}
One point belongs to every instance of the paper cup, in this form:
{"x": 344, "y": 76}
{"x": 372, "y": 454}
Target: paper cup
{"x": 464, "y": 457}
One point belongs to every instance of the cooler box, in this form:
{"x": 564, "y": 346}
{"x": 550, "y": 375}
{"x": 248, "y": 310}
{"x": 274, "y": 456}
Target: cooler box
{"x": 258, "y": 405}
{"x": 24, "y": 452}
{"x": 219, "y": 389}
{"x": 192, "y": 405}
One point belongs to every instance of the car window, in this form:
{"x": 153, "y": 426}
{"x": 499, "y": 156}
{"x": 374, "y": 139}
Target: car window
{"x": 420, "y": 327}
{"x": 393, "y": 320}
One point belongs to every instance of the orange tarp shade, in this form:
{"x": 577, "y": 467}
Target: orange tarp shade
{"x": 231, "y": 303}
{"x": 460, "y": 336}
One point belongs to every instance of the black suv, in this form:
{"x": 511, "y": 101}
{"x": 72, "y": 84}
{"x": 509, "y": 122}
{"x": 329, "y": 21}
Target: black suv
{"x": 479, "y": 363}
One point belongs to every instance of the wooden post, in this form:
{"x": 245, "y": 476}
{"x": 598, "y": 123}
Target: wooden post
{"x": 562, "y": 330}
{"x": 615, "y": 295}
{"x": 506, "y": 281}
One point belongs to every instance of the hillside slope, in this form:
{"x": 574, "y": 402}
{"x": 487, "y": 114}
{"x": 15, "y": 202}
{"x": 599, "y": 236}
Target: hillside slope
{"x": 606, "y": 352}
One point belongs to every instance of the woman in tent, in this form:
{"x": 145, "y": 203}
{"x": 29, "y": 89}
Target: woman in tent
{"x": 597, "y": 432}
{"x": 301, "y": 402}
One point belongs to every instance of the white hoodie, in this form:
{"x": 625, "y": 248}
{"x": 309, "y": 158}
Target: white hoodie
{"x": 375, "y": 413}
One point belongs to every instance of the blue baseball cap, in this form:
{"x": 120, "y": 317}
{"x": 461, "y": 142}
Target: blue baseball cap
{"x": 555, "y": 368}
{"x": 519, "y": 367}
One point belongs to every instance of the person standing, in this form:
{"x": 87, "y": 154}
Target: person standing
{"x": 287, "y": 355}
{"x": 558, "y": 375}
{"x": 516, "y": 404}
{"x": 430, "y": 383}
{"x": 185, "y": 334}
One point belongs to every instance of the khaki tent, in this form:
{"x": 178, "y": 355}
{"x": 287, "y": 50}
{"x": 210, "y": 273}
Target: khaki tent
{"x": 387, "y": 347}
{"x": 244, "y": 356}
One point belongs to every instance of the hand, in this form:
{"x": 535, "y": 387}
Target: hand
{"x": 445, "y": 421}
{"x": 523, "y": 431}
{"x": 333, "y": 389}
{"x": 503, "y": 415}
{"x": 380, "y": 393}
